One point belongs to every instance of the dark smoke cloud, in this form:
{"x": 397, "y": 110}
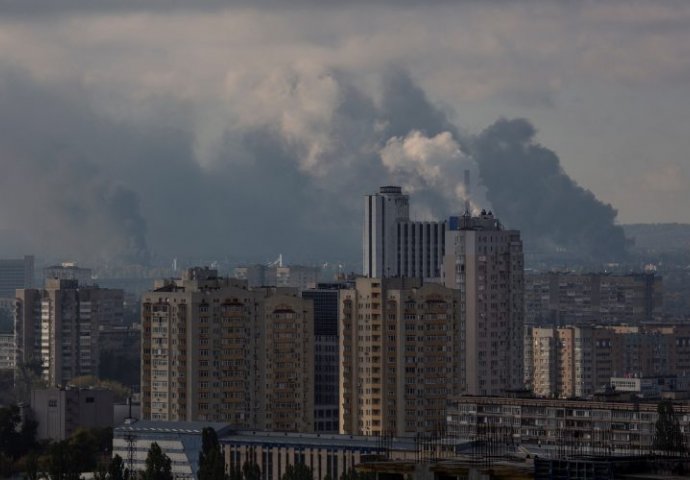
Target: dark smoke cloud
{"x": 90, "y": 188}
{"x": 530, "y": 191}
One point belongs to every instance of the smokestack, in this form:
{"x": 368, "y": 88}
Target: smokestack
{"x": 467, "y": 192}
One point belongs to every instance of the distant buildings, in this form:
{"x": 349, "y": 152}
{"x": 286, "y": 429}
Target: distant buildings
{"x": 60, "y": 411}
{"x": 69, "y": 271}
{"x": 214, "y": 350}
{"x": 294, "y": 276}
{"x": 15, "y": 274}
{"x": 553, "y": 299}
{"x": 7, "y": 351}
{"x": 570, "y": 362}
{"x": 395, "y": 246}
{"x": 58, "y": 327}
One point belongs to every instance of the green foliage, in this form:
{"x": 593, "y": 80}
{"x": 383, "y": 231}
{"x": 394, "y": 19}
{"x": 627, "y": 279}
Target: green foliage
{"x": 251, "y": 471}
{"x": 158, "y": 465}
{"x": 353, "y": 474}
{"x": 211, "y": 460}
{"x": 16, "y": 438}
{"x": 668, "y": 436}
{"x": 120, "y": 392}
{"x": 235, "y": 473}
{"x": 116, "y": 468}
{"x": 63, "y": 462}
{"x": 298, "y": 471}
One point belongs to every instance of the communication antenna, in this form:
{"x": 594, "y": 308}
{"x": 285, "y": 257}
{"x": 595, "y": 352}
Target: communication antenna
{"x": 467, "y": 192}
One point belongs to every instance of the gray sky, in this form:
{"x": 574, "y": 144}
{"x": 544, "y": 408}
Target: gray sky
{"x": 152, "y": 122}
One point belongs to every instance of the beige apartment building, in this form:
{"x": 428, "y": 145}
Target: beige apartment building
{"x": 484, "y": 262}
{"x": 59, "y": 327}
{"x": 572, "y": 361}
{"x": 400, "y": 356}
{"x": 214, "y": 350}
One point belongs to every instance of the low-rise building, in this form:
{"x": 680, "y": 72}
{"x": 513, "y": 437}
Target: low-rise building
{"x": 60, "y": 411}
{"x": 549, "y": 425}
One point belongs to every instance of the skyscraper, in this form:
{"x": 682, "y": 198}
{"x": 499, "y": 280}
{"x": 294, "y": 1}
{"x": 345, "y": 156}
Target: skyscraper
{"x": 484, "y": 262}
{"x": 15, "y": 274}
{"x": 59, "y": 326}
{"x": 395, "y": 246}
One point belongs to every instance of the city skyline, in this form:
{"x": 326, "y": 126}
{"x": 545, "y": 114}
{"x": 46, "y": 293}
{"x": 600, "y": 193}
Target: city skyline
{"x": 246, "y": 119}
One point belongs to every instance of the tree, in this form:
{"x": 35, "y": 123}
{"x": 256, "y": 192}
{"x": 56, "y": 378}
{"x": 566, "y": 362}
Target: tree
{"x": 63, "y": 461}
{"x": 251, "y": 471}
{"x": 235, "y": 473}
{"x": 17, "y": 438}
{"x": 668, "y": 436}
{"x": 116, "y": 468}
{"x": 158, "y": 465}
{"x": 298, "y": 471}
{"x": 211, "y": 461}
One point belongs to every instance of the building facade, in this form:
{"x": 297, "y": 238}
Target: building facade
{"x": 58, "y": 326}
{"x": 326, "y": 298}
{"x": 214, "y": 350}
{"x": 400, "y": 359}
{"x": 562, "y": 298}
{"x": 7, "y": 351}
{"x": 484, "y": 263}
{"x": 15, "y": 274}
{"x": 61, "y": 411}
{"x": 395, "y": 246}
{"x": 575, "y": 426}
{"x": 574, "y": 361}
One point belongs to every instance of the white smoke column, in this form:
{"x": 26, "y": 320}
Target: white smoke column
{"x": 420, "y": 163}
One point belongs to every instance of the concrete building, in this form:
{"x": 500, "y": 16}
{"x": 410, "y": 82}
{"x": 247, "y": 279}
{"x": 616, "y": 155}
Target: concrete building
{"x": 59, "y": 325}
{"x": 484, "y": 262}
{"x": 7, "y": 351}
{"x": 562, "y": 298}
{"x": 573, "y": 361}
{"x": 400, "y": 355}
{"x": 395, "y": 246}
{"x": 548, "y": 426}
{"x": 69, "y": 271}
{"x": 326, "y": 359}
{"x": 327, "y": 455}
{"x": 15, "y": 274}
{"x": 214, "y": 350}
{"x": 60, "y": 411}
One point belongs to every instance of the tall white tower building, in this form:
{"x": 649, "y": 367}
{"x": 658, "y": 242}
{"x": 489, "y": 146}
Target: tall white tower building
{"x": 395, "y": 246}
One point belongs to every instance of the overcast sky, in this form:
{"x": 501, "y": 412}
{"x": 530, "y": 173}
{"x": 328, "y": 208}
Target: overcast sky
{"x": 152, "y": 125}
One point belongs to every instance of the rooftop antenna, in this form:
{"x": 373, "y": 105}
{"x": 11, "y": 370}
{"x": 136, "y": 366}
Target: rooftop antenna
{"x": 467, "y": 192}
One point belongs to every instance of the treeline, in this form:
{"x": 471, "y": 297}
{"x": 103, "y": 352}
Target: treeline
{"x": 20, "y": 452}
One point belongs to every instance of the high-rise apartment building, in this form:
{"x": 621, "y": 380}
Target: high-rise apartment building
{"x": 395, "y": 246}
{"x": 564, "y": 298}
{"x": 15, "y": 274}
{"x": 484, "y": 262}
{"x": 59, "y": 326}
{"x": 400, "y": 356}
{"x": 214, "y": 350}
